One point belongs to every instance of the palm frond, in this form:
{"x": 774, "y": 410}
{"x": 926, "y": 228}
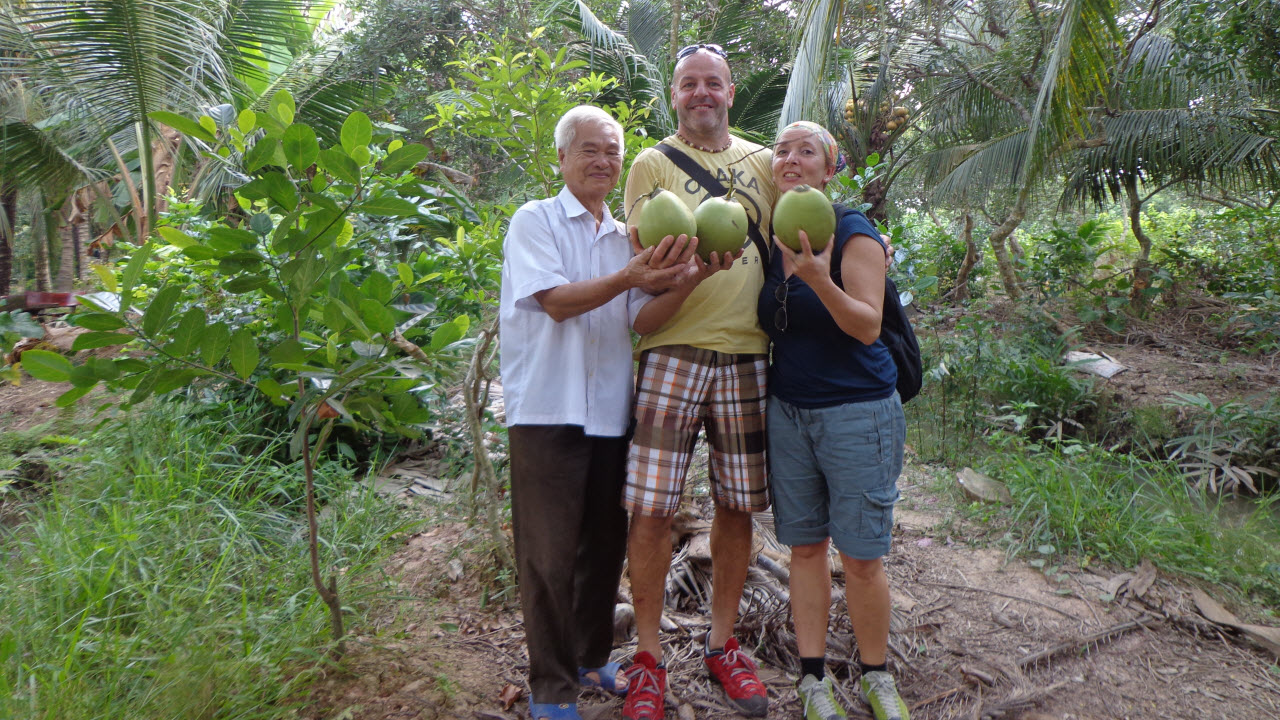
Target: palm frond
{"x": 29, "y": 156}
{"x": 988, "y": 165}
{"x": 816, "y": 24}
{"x": 118, "y": 59}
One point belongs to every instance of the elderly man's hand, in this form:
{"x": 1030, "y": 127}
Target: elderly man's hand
{"x": 672, "y": 250}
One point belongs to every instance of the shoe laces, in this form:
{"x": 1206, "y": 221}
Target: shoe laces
{"x": 643, "y": 688}
{"x": 881, "y": 685}
{"x": 742, "y": 669}
{"x": 819, "y": 696}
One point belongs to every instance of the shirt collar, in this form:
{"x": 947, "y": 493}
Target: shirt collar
{"x": 573, "y": 208}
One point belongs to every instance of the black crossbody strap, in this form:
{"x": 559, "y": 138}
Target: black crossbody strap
{"x": 703, "y": 177}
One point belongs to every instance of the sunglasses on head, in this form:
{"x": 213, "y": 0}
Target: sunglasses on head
{"x": 688, "y": 50}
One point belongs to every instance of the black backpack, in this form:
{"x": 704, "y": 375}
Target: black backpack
{"x": 895, "y": 332}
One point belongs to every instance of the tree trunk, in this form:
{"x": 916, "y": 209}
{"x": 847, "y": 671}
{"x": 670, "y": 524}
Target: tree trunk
{"x": 676, "y": 13}
{"x": 43, "y": 280}
{"x": 9, "y": 209}
{"x": 961, "y": 293}
{"x": 998, "y": 237}
{"x": 65, "y": 282}
{"x": 1142, "y": 267}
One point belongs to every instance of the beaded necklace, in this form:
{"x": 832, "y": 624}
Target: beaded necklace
{"x": 696, "y": 146}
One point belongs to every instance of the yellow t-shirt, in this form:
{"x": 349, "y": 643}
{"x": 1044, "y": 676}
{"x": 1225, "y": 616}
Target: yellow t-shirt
{"x": 720, "y": 314}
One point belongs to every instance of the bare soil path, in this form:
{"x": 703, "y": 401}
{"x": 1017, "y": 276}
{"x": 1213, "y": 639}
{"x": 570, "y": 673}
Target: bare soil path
{"x": 975, "y": 636}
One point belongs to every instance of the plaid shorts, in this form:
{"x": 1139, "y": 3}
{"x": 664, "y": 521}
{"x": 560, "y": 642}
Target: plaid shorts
{"x": 678, "y": 389}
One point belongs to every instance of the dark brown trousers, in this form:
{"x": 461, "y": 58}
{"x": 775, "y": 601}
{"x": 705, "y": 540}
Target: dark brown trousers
{"x": 571, "y": 538}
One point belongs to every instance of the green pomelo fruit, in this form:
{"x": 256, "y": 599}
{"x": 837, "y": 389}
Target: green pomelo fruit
{"x": 664, "y": 214}
{"x": 722, "y": 226}
{"x": 804, "y": 208}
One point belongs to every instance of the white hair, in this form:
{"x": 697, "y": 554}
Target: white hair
{"x": 567, "y": 127}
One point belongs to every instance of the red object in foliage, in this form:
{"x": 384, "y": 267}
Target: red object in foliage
{"x": 40, "y": 301}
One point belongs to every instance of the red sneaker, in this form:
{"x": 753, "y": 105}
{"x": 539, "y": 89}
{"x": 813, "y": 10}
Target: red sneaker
{"x": 646, "y": 689}
{"x": 736, "y": 673}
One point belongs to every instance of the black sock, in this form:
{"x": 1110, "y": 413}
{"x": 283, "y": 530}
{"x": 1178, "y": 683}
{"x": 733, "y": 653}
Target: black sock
{"x": 813, "y": 666}
{"x": 865, "y": 668}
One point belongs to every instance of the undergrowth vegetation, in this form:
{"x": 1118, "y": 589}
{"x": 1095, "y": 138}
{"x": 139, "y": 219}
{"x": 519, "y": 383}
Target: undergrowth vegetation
{"x": 163, "y": 572}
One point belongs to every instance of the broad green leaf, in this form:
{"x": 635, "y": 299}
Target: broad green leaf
{"x": 323, "y": 226}
{"x": 207, "y": 123}
{"x": 214, "y": 343}
{"x": 146, "y": 383}
{"x": 247, "y": 120}
{"x": 82, "y": 377}
{"x": 356, "y": 321}
{"x": 261, "y": 153}
{"x": 300, "y": 147}
{"x": 97, "y": 321}
{"x": 301, "y": 275}
{"x": 377, "y": 317}
{"x": 378, "y": 287}
{"x": 444, "y": 335}
{"x": 387, "y": 206}
{"x": 345, "y": 233}
{"x": 279, "y": 188}
{"x": 229, "y": 240}
{"x": 288, "y": 351}
{"x": 199, "y": 252}
{"x": 405, "y": 273}
{"x": 333, "y": 317}
{"x": 90, "y": 340}
{"x": 47, "y": 366}
{"x": 244, "y": 352}
{"x": 320, "y": 200}
{"x": 184, "y": 125}
{"x": 160, "y": 310}
{"x": 176, "y": 237}
{"x": 261, "y": 224}
{"x": 69, "y": 398}
{"x": 404, "y": 158}
{"x": 282, "y": 107}
{"x": 274, "y": 391}
{"x": 186, "y": 336}
{"x": 170, "y": 380}
{"x": 244, "y": 284}
{"x": 131, "y": 365}
{"x": 394, "y": 145}
{"x": 361, "y": 155}
{"x": 340, "y": 165}
{"x": 357, "y": 131}
{"x": 102, "y": 368}
{"x": 132, "y": 272}
{"x": 107, "y": 276}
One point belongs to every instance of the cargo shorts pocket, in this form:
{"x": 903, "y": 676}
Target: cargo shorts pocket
{"x": 876, "y": 519}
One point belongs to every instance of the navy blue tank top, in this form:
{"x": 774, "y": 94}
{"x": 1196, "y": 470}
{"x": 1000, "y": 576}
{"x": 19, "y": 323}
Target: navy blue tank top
{"x": 815, "y": 364}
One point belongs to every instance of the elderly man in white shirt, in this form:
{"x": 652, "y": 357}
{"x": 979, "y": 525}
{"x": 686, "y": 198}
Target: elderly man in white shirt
{"x": 571, "y": 285}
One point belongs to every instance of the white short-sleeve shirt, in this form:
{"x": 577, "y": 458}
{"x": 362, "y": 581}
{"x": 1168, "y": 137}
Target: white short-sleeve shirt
{"x": 579, "y": 371}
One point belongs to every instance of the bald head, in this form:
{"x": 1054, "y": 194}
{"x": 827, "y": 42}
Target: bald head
{"x": 702, "y": 93}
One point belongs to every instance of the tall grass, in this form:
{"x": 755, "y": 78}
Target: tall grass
{"x": 165, "y": 575}
{"x": 1113, "y": 506}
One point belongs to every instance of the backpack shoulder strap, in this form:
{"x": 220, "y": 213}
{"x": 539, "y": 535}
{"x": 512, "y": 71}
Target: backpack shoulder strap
{"x": 704, "y": 178}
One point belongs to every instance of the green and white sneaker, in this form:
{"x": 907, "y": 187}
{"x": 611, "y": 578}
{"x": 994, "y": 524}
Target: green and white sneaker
{"x": 818, "y": 699}
{"x": 878, "y": 690}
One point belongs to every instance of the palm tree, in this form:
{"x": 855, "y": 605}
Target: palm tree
{"x": 1173, "y": 125}
{"x": 102, "y": 67}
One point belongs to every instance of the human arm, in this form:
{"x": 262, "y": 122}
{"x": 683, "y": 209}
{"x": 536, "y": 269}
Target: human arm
{"x": 858, "y": 308}
{"x": 653, "y": 270}
{"x": 659, "y": 310}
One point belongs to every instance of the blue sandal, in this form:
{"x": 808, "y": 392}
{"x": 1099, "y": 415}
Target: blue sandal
{"x": 553, "y": 711}
{"x": 608, "y": 674}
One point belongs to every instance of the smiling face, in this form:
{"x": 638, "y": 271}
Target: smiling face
{"x": 702, "y": 94}
{"x": 800, "y": 159}
{"x": 592, "y": 162}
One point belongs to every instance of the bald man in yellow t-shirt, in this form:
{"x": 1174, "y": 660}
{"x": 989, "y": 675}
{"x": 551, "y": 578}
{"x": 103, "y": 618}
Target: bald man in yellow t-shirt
{"x": 702, "y": 363}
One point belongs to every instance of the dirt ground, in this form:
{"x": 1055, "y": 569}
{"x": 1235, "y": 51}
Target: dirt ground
{"x": 974, "y": 636}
